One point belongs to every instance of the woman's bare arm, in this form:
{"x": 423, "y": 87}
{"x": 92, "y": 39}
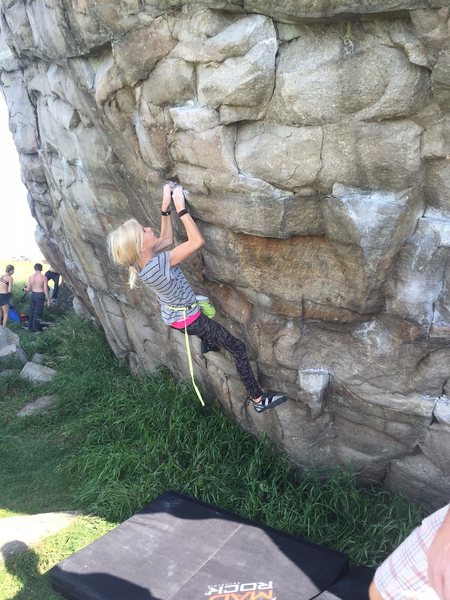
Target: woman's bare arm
{"x": 195, "y": 239}
{"x": 166, "y": 231}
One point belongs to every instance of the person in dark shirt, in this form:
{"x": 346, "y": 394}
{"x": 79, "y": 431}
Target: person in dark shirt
{"x": 53, "y": 276}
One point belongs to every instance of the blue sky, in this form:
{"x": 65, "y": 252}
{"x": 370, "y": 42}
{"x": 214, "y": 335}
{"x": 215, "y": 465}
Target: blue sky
{"x": 17, "y": 224}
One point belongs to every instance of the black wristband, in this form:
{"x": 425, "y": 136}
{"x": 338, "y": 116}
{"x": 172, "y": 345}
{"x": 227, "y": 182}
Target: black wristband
{"x": 165, "y": 213}
{"x": 183, "y": 212}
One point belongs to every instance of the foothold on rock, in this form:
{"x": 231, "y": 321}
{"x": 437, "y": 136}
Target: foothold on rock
{"x": 313, "y": 384}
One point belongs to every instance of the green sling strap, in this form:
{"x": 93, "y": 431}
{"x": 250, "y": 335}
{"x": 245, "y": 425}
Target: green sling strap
{"x": 188, "y": 350}
{"x": 209, "y": 311}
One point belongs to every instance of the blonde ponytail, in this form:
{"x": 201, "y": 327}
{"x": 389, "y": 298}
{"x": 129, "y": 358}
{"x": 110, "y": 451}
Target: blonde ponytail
{"x": 132, "y": 277}
{"x": 124, "y": 247}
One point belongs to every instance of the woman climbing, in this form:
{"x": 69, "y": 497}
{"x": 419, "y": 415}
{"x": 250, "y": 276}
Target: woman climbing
{"x": 6, "y": 283}
{"x": 137, "y": 247}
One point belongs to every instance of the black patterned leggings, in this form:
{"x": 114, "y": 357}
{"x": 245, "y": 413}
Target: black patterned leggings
{"x": 212, "y": 332}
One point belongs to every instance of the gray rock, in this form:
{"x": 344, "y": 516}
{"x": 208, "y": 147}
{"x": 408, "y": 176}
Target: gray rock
{"x": 431, "y": 29}
{"x": 247, "y": 269}
{"x": 8, "y": 61}
{"x": 64, "y": 301}
{"x": 194, "y": 117}
{"x": 436, "y": 446}
{"x": 418, "y": 276}
{"x": 437, "y": 184}
{"x": 22, "y": 121}
{"x": 313, "y": 384}
{"x": 372, "y": 226}
{"x": 382, "y": 155}
{"x": 414, "y": 473}
{"x": 295, "y": 153}
{"x": 442, "y": 410}
{"x": 240, "y": 80}
{"x": 314, "y": 141}
{"x": 38, "y": 358}
{"x": 37, "y": 406}
{"x": 172, "y": 81}
{"x": 81, "y": 309}
{"x": 7, "y": 372}
{"x": 440, "y": 327}
{"x": 317, "y": 9}
{"x": 213, "y": 148}
{"x": 440, "y": 77}
{"x": 436, "y": 139}
{"x": 373, "y": 81}
{"x": 11, "y": 352}
{"x": 37, "y": 373}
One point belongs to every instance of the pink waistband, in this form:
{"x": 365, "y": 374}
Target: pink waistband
{"x": 185, "y": 322}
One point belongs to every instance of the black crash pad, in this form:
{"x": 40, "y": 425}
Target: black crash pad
{"x": 355, "y": 586}
{"x": 178, "y": 548}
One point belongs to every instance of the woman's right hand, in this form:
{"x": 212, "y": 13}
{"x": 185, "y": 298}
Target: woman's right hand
{"x": 178, "y": 198}
{"x": 167, "y": 197}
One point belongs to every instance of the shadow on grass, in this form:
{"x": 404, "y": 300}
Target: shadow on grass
{"x": 22, "y": 563}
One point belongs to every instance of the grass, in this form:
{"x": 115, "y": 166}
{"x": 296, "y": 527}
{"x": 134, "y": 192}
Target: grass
{"x": 114, "y": 442}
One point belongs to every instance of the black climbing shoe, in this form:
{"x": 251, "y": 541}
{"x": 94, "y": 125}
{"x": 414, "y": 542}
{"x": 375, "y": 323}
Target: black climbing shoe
{"x": 269, "y": 400}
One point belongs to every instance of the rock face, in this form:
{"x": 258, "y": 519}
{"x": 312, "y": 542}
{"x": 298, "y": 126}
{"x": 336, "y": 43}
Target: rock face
{"x": 314, "y": 138}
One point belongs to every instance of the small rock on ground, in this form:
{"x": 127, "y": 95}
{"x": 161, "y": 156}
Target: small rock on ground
{"x": 37, "y": 373}
{"x": 37, "y": 406}
{"x": 7, "y": 372}
{"x": 38, "y": 358}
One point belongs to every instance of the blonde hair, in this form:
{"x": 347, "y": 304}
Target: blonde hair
{"x": 125, "y": 246}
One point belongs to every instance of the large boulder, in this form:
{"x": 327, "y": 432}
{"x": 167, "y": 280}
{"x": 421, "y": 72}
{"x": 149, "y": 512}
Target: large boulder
{"x": 314, "y": 140}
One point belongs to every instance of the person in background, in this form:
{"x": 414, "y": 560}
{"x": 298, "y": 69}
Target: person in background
{"x": 137, "y": 247}
{"x": 53, "y": 276}
{"x": 38, "y": 286}
{"x": 419, "y": 569}
{"x": 6, "y": 284}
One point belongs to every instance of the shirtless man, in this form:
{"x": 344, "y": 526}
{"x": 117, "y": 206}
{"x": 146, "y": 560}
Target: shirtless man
{"x": 38, "y": 286}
